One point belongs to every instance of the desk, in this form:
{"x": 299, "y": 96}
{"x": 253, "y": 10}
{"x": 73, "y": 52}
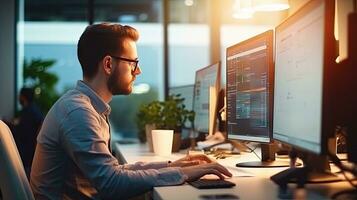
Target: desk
{"x": 253, "y": 187}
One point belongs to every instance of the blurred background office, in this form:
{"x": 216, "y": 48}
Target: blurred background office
{"x": 38, "y": 44}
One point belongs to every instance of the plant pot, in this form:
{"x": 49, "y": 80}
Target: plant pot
{"x": 148, "y": 129}
{"x": 176, "y": 143}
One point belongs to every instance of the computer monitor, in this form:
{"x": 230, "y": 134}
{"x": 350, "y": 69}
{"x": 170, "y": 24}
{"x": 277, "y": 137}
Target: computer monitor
{"x": 304, "y": 103}
{"x": 303, "y": 70}
{"x": 348, "y": 70}
{"x": 207, "y": 86}
{"x": 250, "y": 80}
{"x": 349, "y": 99}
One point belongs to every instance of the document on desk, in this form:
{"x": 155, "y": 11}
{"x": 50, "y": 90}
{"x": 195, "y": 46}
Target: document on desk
{"x": 236, "y": 172}
{"x": 230, "y": 163}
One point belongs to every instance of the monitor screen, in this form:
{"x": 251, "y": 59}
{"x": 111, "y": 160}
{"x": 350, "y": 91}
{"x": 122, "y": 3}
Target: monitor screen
{"x": 300, "y": 71}
{"x": 207, "y": 86}
{"x": 250, "y": 89}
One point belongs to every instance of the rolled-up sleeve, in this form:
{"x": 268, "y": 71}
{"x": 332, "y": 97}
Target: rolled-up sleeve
{"x": 146, "y": 165}
{"x": 83, "y": 141}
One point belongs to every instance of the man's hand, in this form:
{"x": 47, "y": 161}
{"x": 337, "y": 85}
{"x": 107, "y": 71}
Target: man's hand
{"x": 191, "y": 160}
{"x": 195, "y": 172}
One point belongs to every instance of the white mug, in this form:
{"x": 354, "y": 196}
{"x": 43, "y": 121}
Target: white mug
{"x": 162, "y": 142}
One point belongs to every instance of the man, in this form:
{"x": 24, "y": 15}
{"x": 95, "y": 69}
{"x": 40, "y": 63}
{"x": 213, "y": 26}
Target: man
{"x": 26, "y": 126}
{"x": 73, "y": 159}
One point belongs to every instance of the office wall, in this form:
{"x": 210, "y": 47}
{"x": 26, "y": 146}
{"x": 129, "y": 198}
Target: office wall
{"x": 343, "y": 8}
{"x": 7, "y": 58}
{"x": 295, "y": 5}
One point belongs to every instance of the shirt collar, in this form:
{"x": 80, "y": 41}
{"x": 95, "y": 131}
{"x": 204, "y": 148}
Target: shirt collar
{"x": 99, "y": 105}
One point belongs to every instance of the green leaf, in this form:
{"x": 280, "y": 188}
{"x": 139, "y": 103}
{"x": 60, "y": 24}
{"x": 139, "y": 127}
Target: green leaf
{"x": 169, "y": 114}
{"x": 37, "y": 76}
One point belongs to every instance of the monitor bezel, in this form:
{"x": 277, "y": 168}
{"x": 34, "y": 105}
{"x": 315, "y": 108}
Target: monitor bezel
{"x": 329, "y": 54}
{"x": 217, "y": 86}
{"x": 270, "y": 48}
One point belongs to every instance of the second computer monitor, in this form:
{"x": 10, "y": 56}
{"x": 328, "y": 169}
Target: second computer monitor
{"x": 250, "y": 76}
{"x": 250, "y": 82}
{"x": 305, "y": 71}
{"x": 207, "y": 86}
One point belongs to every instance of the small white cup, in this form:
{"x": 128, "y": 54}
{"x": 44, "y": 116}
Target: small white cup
{"x": 162, "y": 142}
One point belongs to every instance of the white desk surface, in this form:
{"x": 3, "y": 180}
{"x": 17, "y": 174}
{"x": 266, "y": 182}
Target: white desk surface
{"x": 257, "y": 186}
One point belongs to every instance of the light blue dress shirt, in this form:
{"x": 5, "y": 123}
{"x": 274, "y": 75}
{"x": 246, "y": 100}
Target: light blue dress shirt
{"x": 73, "y": 160}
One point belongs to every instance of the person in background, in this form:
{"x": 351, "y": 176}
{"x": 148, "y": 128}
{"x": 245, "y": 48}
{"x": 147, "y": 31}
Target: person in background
{"x": 26, "y": 126}
{"x": 73, "y": 157}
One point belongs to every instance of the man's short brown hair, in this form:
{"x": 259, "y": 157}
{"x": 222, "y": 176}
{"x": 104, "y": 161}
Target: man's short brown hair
{"x": 99, "y": 40}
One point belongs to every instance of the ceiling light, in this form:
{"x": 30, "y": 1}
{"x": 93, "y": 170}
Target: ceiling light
{"x": 271, "y": 5}
{"x": 242, "y": 9}
{"x": 189, "y": 2}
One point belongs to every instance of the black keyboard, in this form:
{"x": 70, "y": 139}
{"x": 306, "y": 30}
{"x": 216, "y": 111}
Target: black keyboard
{"x": 211, "y": 183}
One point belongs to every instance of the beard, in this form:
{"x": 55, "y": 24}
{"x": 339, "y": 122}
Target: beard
{"x": 116, "y": 86}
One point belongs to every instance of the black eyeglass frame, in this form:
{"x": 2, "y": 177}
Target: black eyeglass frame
{"x": 128, "y": 60}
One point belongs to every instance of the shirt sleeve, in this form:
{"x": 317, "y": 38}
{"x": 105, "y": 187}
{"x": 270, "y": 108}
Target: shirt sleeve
{"x": 146, "y": 165}
{"x": 83, "y": 141}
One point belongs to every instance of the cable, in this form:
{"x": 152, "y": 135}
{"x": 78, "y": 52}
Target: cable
{"x": 256, "y": 155}
{"x": 252, "y": 150}
{"x": 344, "y": 168}
{"x": 349, "y": 180}
{"x": 341, "y": 193}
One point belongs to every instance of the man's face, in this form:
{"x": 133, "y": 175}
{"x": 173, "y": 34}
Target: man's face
{"x": 122, "y": 78}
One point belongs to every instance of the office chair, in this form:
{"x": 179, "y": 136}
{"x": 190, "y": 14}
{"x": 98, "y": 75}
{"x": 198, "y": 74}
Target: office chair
{"x": 13, "y": 181}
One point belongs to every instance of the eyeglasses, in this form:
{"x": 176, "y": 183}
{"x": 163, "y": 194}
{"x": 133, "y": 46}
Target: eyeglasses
{"x": 132, "y": 63}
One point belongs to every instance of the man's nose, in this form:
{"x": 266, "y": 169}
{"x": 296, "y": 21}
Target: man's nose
{"x": 137, "y": 71}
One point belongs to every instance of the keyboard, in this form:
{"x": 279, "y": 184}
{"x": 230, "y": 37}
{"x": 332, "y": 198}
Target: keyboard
{"x": 211, "y": 183}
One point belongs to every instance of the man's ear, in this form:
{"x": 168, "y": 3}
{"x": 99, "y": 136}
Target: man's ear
{"x": 107, "y": 64}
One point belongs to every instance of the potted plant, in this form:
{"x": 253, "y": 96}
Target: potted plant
{"x": 37, "y": 75}
{"x": 147, "y": 117}
{"x": 169, "y": 114}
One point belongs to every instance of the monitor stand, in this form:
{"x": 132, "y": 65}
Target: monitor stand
{"x": 316, "y": 170}
{"x": 267, "y": 158}
{"x": 319, "y": 170}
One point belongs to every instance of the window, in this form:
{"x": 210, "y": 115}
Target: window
{"x": 188, "y": 34}
{"x": 51, "y": 30}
